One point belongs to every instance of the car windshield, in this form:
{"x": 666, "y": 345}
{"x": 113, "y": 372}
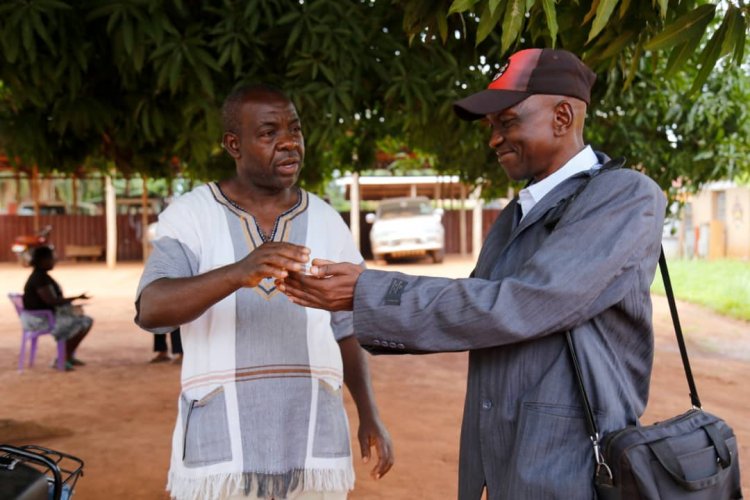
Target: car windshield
{"x": 406, "y": 208}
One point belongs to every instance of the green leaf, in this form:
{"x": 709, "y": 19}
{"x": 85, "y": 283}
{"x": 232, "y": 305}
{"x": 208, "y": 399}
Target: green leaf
{"x": 237, "y": 58}
{"x": 494, "y": 4}
{"x": 225, "y": 54}
{"x": 680, "y": 55}
{"x": 739, "y": 45}
{"x": 591, "y": 13}
{"x": 296, "y": 30}
{"x": 139, "y": 55}
{"x": 289, "y": 18}
{"x": 550, "y": 13}
{"x": 174, "y": 71}
{"x": 10, "y": 46}
{"x": 442, "y": 24}
{"x": 42, "y": 31}
{"x": 487, "y": 23}
{"x": 616, "y": 46}
{"x": 145, "y": 124}
{"x": 461, "y": 6}
{"x": 663, "y": 6}
{"x": 690, "y": 24}
{"x": 710, "y": 54}
{"x": 28, "y": 39}
{"x": 127, "y": 36}
{"x": 158, "y": 121}
{"x": 634, "y": 62}
{"x": 53, "y": 4}
{"x": 206, "y": 59}
{"x": 624, "y": 8}
{"x": 603, "y": 13}
{"x": 735, "y": 34}
{"x": 104, "y": 10}
{"x": 512, "y": 22}
{"x": 328, "y": 73}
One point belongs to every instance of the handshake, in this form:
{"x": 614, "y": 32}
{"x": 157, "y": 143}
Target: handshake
{"x": 321, "y": 284}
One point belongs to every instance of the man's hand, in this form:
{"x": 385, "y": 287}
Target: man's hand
{"x": 373, "y": 434}
{"x": 328, "y": 286}
{"x": 271, "y": 260}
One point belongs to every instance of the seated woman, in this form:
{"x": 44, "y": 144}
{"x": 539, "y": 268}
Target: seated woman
{"x": 43, "y": 292}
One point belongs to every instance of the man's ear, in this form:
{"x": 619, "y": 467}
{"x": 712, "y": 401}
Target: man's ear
{"x": 564, "y": 118}
{"x": 231, "y": 144}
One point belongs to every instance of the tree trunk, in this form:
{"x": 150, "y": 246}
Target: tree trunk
{"x": 111, "y": 217}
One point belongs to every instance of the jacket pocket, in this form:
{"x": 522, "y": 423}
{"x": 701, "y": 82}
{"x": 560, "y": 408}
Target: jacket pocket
{"x": 553, "y": 458}
{"x": 205, "y": 430}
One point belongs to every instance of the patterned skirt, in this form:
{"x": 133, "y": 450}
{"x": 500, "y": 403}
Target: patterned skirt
{"x": 69, "y": 322}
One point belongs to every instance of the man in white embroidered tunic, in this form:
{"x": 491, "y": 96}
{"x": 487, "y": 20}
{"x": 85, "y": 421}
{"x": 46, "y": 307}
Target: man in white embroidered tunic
{"x": 261, "y": 411}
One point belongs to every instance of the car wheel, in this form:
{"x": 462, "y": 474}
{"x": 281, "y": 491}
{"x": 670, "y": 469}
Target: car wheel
{"x": 438, "y": 256}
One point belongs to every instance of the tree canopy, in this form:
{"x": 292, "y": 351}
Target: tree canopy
{"x": 136, "y": 84}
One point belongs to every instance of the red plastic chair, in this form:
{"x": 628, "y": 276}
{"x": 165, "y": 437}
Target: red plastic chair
{"x": 30, "y": 337}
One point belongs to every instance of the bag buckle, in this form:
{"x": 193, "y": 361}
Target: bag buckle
{"x": 603, "y": 472}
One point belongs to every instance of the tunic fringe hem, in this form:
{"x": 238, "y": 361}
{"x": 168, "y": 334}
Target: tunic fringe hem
{"x": 216, "y": 486}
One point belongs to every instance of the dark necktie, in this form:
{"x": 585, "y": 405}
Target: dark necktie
{"x": 517, "y": 214}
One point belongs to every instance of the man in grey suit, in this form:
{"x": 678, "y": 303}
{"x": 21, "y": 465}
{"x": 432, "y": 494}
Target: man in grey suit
{"x": 577, "y": 250}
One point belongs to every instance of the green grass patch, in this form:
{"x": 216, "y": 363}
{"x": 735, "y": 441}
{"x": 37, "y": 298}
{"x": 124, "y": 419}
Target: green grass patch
{"x": 720, "y": 285}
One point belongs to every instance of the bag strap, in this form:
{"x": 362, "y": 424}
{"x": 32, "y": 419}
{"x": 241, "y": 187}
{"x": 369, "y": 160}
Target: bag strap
{"x": 603, "y": 471}
{"x": 694, "y": 399}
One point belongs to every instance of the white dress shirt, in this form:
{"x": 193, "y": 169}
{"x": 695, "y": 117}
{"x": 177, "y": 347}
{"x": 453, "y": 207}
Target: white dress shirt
{"x": 532, "y": 194}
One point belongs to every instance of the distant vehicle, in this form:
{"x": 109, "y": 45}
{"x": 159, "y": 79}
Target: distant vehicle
{"x": 407, "y": 227}
{"x": 45, "y": 208}
{"x": 58, "y": 208}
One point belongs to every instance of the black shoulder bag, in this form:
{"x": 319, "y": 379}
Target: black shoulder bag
{"x": 690, "y": 456}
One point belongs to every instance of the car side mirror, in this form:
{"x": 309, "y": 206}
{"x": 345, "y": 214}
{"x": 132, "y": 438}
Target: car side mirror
{"x": 370, "y": 218}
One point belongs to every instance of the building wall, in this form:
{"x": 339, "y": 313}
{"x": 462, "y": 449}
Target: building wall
{"x": 717, "y": 223}
{"x": 738, "y": 223}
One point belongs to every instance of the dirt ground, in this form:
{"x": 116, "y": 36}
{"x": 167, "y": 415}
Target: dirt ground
{"x": 117, "y": 413}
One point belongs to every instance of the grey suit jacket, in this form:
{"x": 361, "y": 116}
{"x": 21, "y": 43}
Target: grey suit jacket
{"x": 523, "y": 433}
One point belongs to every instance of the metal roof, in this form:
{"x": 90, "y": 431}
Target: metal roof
{"x": 380, "y": 187}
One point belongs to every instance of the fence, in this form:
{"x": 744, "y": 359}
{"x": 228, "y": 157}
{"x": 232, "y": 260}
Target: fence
{"x": 82, "y": 230}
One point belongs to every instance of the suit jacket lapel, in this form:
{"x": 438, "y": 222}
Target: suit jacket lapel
{"x": 504, "y": 231}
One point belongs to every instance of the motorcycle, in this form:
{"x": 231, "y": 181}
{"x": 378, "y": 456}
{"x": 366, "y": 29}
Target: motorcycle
{"x": 24, "y": 245}
{"x": 31, "y": 472}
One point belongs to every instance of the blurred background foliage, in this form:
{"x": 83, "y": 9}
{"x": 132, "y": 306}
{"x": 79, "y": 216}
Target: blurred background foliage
{"x": 135, "y": 85}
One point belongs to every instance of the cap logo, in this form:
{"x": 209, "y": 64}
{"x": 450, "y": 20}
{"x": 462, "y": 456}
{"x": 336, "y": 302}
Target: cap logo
{"x": 502, "y": 70}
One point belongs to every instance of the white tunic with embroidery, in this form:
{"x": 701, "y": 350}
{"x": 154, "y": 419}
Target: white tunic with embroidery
{"x": 261, "y": 408}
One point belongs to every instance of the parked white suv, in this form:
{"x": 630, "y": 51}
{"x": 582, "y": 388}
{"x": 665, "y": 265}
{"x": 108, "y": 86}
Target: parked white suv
{"x": 407, "y": 227}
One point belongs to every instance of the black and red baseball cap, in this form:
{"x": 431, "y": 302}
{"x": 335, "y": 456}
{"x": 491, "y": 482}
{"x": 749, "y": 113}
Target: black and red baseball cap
{"x": 529, "y": 72}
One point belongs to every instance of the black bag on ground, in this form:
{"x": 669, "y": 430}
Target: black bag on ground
{"x": 690, "y": 456}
